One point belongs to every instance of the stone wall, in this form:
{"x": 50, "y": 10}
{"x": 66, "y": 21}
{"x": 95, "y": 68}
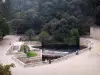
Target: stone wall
{"x": 95, "y": 32}
{"x": 84, "y": 42}
{"x": 69, "y": 55}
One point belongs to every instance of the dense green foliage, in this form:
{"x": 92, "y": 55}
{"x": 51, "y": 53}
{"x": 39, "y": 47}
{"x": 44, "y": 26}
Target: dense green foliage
{"x": 69, "y": 37}
{"x": 31, "y": 54}
{"x": 94, "y": 5}
{"x": 58, "y": 18}
{"x": 5, "y": 69}
{"x": 5, "y": 8}
{"x": 4, "y": 25}
{"x": 30, "y": 33}
{"x": 44, "y": 36}
{"x": 49, "y": 14}
{"x": 55, "y": 17}
{"x": 74, "y": 37}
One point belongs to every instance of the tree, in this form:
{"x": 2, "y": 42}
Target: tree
{"x": 5, "y": 69}
{"x": 51, "y": 26}
{"x": 40, "y": 14}
{"x": 43, "y": 37}
{"x": 5, "y": 8}
{"x": 58, "y": 36}
{"x": 16, "y": 24}
{"x": 4, "y": 26}
{"x": 58, "y": 28}
{"x": 74, "y": 37}
{"x": 1, "y": 34}
{"x": 94, "y": 10}
{"x": 30, "y": 33}
{"x": 24, "y": 48}
{"x": 19, "y": 15}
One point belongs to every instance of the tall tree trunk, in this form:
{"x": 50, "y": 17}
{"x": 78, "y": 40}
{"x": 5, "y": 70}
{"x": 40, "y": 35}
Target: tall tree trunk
{"x": 42, "y": 45}
{"x": 30, "y": 37}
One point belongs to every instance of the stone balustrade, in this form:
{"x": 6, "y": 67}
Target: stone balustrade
{"x": 70, "y": 55}
{"x": 18, "y": 61}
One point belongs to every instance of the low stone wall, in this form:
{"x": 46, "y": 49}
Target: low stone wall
{"x": 18, "y": 61}
{"x": 84, "y": 42}
{"x": 9, "y": 52}
{"x": 32, "y": 64}
{"x": 34, "y": 43}
{"x": 70, "y": 55}
{"x": 95, "y": 32}
{"x": 30, "y": 60}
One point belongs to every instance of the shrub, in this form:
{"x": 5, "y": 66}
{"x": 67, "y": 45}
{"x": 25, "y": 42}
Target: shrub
{"x": 24, "y": 48}
{"x": 31, "y": 54}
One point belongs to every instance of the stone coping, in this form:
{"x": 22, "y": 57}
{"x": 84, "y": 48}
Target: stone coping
{"x": 44, "y": 63}
{"x": 68, "y": 56}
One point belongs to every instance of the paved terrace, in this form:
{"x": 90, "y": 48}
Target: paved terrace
{"x": 4, "y": 46}
{"x": 87, "y": 63}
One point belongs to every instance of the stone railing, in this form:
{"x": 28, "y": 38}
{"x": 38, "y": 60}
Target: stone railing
{"x": 68, "y": 56}
{"x": 31, "y": 59}
{"x": 37, "y": 43}
{"x": 28, "y": 62}
{"x": 18, "y": 61}
{"x": 9, "y": 52}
